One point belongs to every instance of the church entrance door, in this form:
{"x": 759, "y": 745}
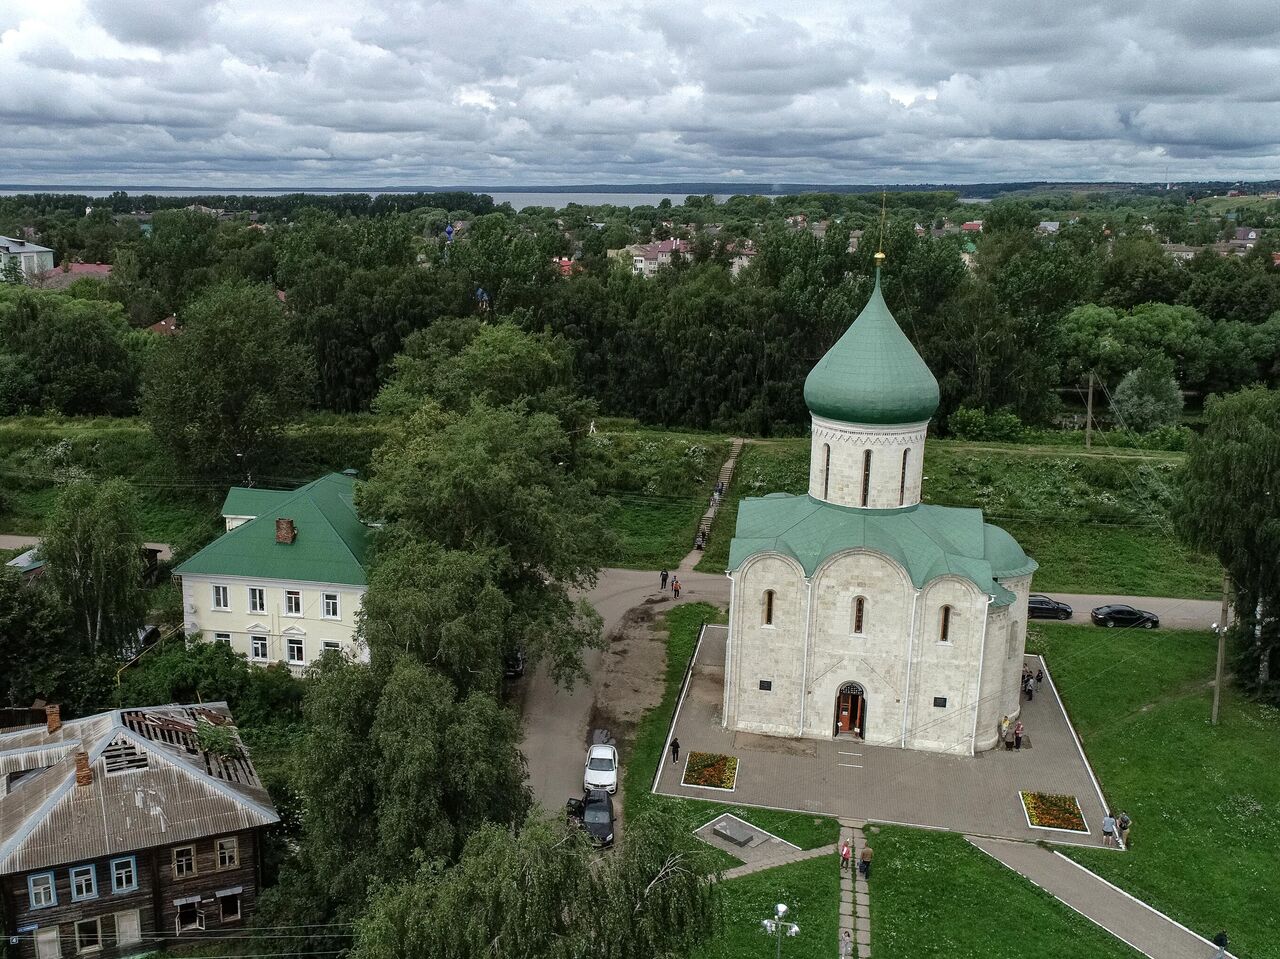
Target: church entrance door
{"x": 851, "y": 710}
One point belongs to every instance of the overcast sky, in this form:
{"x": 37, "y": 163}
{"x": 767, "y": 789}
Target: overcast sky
{"x": 510, "y": 92}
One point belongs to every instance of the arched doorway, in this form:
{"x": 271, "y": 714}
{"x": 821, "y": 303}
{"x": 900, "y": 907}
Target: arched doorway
{"x": 851, "y": 710}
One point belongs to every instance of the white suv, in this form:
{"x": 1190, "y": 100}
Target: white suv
{"x": 602, "y": 769}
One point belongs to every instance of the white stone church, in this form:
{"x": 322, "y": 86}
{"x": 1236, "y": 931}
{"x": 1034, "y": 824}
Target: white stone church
{"x": 856, "y": 609}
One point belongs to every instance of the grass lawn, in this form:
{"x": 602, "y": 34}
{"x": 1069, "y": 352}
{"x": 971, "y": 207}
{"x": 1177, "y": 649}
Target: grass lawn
{"x": 654, "y": 532}
{"x": 1205, "y": 800}
{"x": 811, "y": 890}
{"x": 1095, "y": 523}
{"x": 647, "y": 748}
{"x": 933, "y": 894}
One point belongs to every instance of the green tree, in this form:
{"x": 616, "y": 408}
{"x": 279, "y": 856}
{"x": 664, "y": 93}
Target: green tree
{"x": 1148, "y": 398}
{"x": 496, "y": 483}
{"x": 92, "y": 549}
{"x": 544, "y": 894}
{"x": 1229, "y": 505}
{"x": 219, "y": 394}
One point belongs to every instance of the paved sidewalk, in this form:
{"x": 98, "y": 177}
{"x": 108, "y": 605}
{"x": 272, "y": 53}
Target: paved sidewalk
{"x": 855, "y": 894}
{"x": 1129, "y": 920}
{"x": 798, "y": 855}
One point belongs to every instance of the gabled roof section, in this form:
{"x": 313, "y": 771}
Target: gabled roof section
{"x": 152, "y": 784}
{"x": 330, "y": 547}
{"x": 872, "y": 374}
{"x": 927, "y": 541}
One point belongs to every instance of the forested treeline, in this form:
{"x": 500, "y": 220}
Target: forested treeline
{"x": 1003, "y": 317}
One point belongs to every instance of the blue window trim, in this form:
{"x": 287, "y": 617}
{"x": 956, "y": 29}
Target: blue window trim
{"x": 93, "y": 877}
{"x": 133, "y": 867}
{"x": 31, "y": 895}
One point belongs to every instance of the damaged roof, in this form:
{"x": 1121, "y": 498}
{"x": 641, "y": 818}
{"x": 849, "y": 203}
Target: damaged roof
{"x": 152, "y": 784}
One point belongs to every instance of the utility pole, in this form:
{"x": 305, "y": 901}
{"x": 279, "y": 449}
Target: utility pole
{"x": 1222, "y": 643}
{"x": 1088, "y": 416}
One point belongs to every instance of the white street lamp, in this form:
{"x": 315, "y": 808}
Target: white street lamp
{"x": 777, "y": 927}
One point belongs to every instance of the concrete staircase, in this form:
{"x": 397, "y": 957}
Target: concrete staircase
{"x": 704, "y": 524}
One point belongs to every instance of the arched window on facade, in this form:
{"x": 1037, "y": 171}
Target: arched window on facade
{"x": 902, "y": 483}
{"x": 826, "y": 469}
{"x": 866, "y": 476}
{"x": 944, "y": 630}
{"x": 859, "y": 614}
{"x": 768, "y": 607}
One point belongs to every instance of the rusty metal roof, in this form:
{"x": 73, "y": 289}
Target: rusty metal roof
{"x": 153, "y": 784}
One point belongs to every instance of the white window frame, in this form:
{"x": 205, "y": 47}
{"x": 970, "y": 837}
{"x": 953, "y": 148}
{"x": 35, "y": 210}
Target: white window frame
{"x": 174, "y": 859}
{"x": 51, "y": 889}
{"x": 227, "y": 843}
{"x": 136, "y": 938}
{"x": 223, "y": 592}
{"x": 78, "y": 873}
{"x": 293, "y": 597}
{"x": 259, "y": 594}
{"x": 301, "y": 642}
{"x": 222, "y": 638}
{"x": 132, "y": 863}
{"x": 331, "y": 645}
{"x": 253, "y": 648}
{"x": 42, "y": 938}
{"x": 325, "y": 600}
{"x": 97, "y": 924}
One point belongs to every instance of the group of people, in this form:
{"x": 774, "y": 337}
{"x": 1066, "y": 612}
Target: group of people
{"x": 1115, "y": 829}
{"x": 864, "y": 859}
{"x": 1011, "y": 733}
{"x": 664, "y": 577}
{"x": 1030, "y": 683}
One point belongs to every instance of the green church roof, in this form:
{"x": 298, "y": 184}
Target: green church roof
{"x": 928, "y": 541}
{"x": 330, "y": 546}
{"x": 872, "y": 374}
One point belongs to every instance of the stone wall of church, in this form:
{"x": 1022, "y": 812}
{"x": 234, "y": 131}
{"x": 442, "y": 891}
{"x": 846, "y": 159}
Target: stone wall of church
{"x": 1015, "y": 645}
{"x": 875, "y": 658}
{"x": 761, "y": 652}
{"x": 838, "y": 463}
{"x": 945, "y": 681}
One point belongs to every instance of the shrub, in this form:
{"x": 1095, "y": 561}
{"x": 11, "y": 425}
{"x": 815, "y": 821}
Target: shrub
{"x": 971, "y": 424}
{"x": 1148, "y": 398}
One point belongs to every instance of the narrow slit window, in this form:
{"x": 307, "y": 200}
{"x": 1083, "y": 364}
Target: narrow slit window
{"x": 866, "y": 476}
{"x": 902, "y": 483}
{"x": 944, "y": 632}
{"x": 768, "y": 607}
{"x": 859, "y": 613}
{"x": 826, "y": 469}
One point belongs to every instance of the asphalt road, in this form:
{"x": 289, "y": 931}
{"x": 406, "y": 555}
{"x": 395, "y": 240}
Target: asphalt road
{"x": 557, "y": 722}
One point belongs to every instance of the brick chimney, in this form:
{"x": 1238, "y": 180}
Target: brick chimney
{"x": 286, "y": 532}
{"x": 53, "y": 718}
{"x": 84, "y": 775}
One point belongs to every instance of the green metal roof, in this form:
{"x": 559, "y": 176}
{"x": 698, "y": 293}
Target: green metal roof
{"x": 250, "y": 501}
{"x": 928, "y": 541}
{"x": 330, "y": 546}
{"x": 872, "y": 374}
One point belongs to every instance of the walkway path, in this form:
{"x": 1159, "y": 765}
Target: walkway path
{"x": 855, "y": 893}
{"x": 796, "y": 855}
{"x": 704, "y": 524}
{"x": 1129, "y": 920}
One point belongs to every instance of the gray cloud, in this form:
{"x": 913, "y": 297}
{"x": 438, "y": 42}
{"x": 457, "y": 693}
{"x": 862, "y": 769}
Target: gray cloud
{"x": 375, "y": 92}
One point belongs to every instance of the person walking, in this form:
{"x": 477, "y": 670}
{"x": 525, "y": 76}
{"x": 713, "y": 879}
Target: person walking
{"x": 675, "y": 587}
{"x": 1108, "y": 829}
{"x": 1039, "y": 677}
{"x": 1017, "y": 735}
{"x": 1029, "y": 687}
{"x": 1123, "y": 822}
{"x": 1221, "y": 941}
{"x": 1004, "y": 726}
{"x": 846, "y": 945}
{"x": 662, "y": 578}
{"x": 846, "y": 856}
{"x": 864, "y": 862}
{"x": 1008, "y": 738}
{"x": 675, "y": 750}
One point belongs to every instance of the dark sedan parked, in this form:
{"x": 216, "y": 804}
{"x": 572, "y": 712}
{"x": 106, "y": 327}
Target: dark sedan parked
{"x": 1040, "y": 606}
{"x": 1121, "y": 615}
{"x": 594, "y": 813}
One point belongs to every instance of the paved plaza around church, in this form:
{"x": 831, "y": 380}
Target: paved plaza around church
{"x": 845, "y": 777}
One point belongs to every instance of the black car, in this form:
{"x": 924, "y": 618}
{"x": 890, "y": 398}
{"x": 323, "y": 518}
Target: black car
{"x": 1040, "y": 606}
{"x": 594, "y": 813}
{"x": 1121, "y": 615}
{"x": 513, "y": 664}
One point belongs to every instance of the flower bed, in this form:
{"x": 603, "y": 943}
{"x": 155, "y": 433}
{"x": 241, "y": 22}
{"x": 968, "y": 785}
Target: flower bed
{"x": 710, "y": 770}
{"x": 1051, "y": 811}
